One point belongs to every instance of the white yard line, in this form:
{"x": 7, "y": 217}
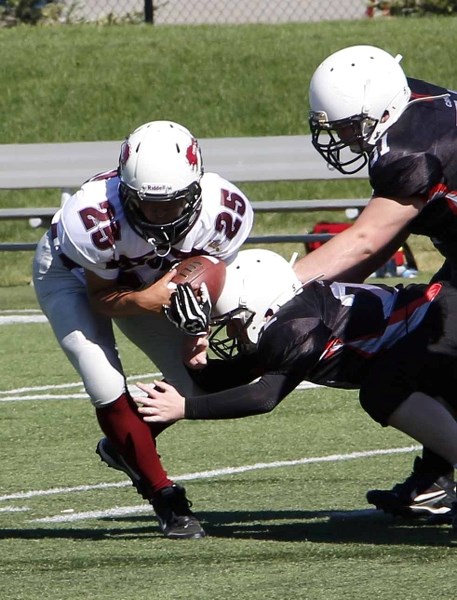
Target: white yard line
{"x": 199, "y": 475}
{"x": 30, "y": 393}
{"x": 21, "y": 311}
{"x": 14, "y": 318}
{"x": 25, "y": 315}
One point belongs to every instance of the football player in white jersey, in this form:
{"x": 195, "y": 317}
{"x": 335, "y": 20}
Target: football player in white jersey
{"x": 107, "y": 258}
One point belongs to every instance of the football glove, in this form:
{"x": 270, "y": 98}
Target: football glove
{"x": 188, "y": 313}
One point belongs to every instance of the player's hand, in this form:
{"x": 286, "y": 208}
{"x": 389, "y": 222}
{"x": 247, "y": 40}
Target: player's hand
{"x": 163, "y": 403}
{"x": 157, "y": 295}
{"x": 195, "y": 349}
{"x": 189, "y": 313}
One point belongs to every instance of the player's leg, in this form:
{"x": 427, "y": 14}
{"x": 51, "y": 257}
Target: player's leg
{"x": 427, "y": 420}
{"x": 162, "y": 343}
{"x": 88, "y": 342}
{"x": 124, "y": 449}
{"x": 404, "y": 369}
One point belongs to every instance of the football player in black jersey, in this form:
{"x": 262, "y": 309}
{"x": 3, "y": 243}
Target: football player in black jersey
{"x": 365, "y": 110}
{"x": 397, "y": 345}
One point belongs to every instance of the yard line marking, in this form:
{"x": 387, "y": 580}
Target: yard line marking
{"x": 117, "y": 511}
{"x": 47, "y": 397}
{"x": 66, "y": 490}
{"x": 122, "y": 511}
{"x": 14, "y": 319}
{"x": 14, "y": 311}
{"x": 14, "y": 509}
{"x": 293, "y": 463}
{"x": 69, "y": 385}
{"x": 11, "y": 397}
{"x": 307, "y": 385}
{"x": 219, "y": 472}
{"x": 41, "y": 387}
{"x": 25, "y": 315}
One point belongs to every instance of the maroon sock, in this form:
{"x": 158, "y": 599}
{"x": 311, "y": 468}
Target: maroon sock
{"x": 157, "y": 428}
{"x": 133, "y": 439}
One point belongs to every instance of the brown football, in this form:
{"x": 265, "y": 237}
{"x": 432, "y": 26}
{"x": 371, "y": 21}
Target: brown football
{"x": 202, "y": 269}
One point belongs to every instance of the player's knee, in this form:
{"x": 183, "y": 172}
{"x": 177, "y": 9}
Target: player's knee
{"x": 105, "y": 392}
{"x": 98, "y": 402}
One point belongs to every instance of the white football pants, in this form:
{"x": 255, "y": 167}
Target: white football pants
{"x": 87, "y": 338}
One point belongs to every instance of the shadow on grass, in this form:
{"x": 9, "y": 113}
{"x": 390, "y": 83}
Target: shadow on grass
{"x": 332, "y": 527}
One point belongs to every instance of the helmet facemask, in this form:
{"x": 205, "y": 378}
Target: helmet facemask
{"x": 338, "y": 141}
{"x": 162, "y": 235}
{"x": 227, "y": 342}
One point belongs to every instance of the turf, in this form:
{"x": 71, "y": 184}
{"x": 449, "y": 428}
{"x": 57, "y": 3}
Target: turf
{"x": 282, "y": 497}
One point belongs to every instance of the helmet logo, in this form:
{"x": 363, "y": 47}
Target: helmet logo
{"x": 155, "y": 188}
{"x": 125, "y": 153}
{"x": 192, "y": 154}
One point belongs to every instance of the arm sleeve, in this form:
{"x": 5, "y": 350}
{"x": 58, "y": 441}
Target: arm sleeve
{"x": 220, "y": 375}
{"x": 243, "y": 401}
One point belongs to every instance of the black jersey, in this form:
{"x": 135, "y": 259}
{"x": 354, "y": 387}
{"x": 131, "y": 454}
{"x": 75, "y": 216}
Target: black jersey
{"x": 417, "y": 156}
{"x": 330, "y": 334}
{"x": 333, "y": 330}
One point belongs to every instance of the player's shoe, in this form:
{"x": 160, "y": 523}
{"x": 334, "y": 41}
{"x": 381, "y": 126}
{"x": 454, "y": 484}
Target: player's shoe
{"x": 420, "y": 495}
{"x": 176, "y": 519}
{"x": 170, "y": 504}
{"x": 449, "y": 518}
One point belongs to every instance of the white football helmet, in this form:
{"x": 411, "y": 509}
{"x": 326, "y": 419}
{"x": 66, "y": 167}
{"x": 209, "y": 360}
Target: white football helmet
{"x": 349, "y": 94}
{"x": 161, "y": 162}
{"x": 257, "y": 283}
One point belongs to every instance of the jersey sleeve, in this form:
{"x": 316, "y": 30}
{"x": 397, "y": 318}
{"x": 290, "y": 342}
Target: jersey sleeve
{"x": 85, "y": 233}
{"x": 395, "y": 175}
{"x": 226, "y": 218}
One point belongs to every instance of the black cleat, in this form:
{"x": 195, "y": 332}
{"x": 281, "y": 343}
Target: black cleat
{"x": 170, "y": 504}
{"x": 176, "y": 519}
{"x": 420, "y": 495}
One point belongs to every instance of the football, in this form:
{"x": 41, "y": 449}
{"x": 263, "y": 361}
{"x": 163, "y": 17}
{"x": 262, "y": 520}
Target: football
{"x": 202, "y": 269}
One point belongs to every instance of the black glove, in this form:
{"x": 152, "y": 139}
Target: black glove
{"x": 187, "y": 313}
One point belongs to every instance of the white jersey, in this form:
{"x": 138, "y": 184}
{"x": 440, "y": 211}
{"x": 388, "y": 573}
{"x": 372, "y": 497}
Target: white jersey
{"x": 91, "y": 230}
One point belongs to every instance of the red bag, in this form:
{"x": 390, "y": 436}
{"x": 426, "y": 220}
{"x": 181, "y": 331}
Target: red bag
{"x": 402, "y": 262}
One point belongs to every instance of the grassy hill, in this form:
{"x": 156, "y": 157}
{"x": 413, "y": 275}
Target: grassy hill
{"x": 87, "y": 82}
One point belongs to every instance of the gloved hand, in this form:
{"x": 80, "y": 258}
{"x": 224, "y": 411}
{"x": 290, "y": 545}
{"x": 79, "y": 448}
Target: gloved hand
{"x": 189, "y": 313}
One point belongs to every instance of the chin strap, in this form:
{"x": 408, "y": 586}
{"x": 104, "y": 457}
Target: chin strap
{"x": 158, "y": 249}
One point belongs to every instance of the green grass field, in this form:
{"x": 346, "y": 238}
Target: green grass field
{"x": 282, "y": 496}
